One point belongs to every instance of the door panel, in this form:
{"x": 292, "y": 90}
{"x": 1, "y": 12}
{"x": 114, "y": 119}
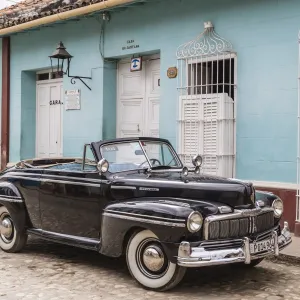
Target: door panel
{"x": 71, "y": 203}
{"x": 43, "y": 98}
{"x": 49, "y": 119}
{"x": 130, "y": 106}
{"x": 138, "y": 100}
{"x": 152, "y": 97}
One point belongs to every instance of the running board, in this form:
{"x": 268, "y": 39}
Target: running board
{"x": 71, "y": 240}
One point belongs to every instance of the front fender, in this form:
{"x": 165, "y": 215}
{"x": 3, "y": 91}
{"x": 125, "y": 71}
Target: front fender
{"x": 265, "y": 199}
{"x": 11, "y": 198}
{"x": 119, "y": 220}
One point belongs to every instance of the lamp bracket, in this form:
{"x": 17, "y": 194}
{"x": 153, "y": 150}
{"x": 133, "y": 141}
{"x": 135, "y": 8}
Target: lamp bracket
{"x": 74, "y": 78}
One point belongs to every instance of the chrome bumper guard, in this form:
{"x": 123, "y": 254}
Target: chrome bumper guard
{"x": 198, "y": 257}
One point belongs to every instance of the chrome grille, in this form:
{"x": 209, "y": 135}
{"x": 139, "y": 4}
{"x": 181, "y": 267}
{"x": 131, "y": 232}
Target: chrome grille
{"x": 238, "y": 226}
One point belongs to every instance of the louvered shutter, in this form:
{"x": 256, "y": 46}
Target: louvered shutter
{"x": 189, "y": 135}
{"x": 207, "y": 128}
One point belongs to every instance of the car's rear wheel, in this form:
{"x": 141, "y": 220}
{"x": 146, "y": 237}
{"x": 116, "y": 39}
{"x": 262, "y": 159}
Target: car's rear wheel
{"x": 11, "y": 240}
{"x": 148, "y": 263}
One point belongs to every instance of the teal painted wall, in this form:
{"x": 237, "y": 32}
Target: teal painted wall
{"x": 28, "y": 116}
{"x": 30, "y": 51}
{"x": 109, "y": 102}
{"x": 263, "y": 32}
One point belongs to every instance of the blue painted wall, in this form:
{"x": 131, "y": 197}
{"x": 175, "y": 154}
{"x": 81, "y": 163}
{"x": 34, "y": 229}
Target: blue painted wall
{"x": 263, "y": 32}
{"x": 30, "y": 51}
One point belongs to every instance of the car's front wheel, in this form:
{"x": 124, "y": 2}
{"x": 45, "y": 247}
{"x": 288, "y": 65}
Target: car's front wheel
{"x": 11, "y": 240}
{"x": 148, "y": 263}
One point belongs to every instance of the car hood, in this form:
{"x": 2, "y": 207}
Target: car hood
{"x": 232, "y": 192}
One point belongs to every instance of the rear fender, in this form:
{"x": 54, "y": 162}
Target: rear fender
{"x": 120, "y": 220}
{"x": 11, "y": 198}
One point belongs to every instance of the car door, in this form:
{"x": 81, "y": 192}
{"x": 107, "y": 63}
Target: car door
{"x": 70, "y": 201}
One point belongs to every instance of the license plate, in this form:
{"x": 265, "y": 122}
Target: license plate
{"x": 262, "y": 246}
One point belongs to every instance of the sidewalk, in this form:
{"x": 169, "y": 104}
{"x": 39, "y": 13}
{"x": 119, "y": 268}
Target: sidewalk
{"x": 293, "y": 249}
{"x": 292, "y": 252}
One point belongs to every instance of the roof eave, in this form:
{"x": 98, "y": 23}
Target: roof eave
{"x": 67, "y": 15}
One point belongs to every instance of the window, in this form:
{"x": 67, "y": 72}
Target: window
{"x": 90, "y": 164}
{"x": 211, "y": 77}
{"x": 206, "y": 113}
{"x": 137, "y": 155}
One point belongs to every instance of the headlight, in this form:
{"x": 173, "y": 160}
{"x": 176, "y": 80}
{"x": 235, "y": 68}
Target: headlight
{"x": 278, "y": 207}
{"x": 194, "y": 222}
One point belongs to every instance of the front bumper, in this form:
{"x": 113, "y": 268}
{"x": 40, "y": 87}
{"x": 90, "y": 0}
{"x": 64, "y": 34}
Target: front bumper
{"x": 200, "y": 257}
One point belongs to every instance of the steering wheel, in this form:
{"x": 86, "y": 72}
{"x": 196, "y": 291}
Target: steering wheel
{"x": 152, "y": 160}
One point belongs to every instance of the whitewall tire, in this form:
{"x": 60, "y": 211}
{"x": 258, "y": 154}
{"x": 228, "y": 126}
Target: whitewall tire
{"x": 148, "y": 263}
{"x": 11, "y": 240}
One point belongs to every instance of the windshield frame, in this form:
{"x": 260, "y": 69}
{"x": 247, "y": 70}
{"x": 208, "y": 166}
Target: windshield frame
{"x": 140, "y": 141}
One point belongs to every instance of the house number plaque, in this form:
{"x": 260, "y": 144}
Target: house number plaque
{"x": 73, "y": 100}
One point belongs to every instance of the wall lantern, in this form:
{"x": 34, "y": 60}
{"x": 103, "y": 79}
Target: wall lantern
{"x": 62, "y": 55}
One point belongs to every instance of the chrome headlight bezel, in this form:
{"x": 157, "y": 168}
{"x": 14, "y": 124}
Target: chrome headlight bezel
{"x": 194, "y": 222}
{"x": 278, "y": 211}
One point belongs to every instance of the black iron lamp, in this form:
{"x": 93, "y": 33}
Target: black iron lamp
{"x": 61, "y": 54}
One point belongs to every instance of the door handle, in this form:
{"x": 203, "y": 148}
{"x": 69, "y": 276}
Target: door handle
{"x": 138, "y": 127}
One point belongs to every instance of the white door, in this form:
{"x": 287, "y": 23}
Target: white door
{"x": 138, "y": 99}
{"x": 49, "y": 119}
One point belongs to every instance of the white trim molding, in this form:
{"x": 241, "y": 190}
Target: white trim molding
{"x": 274, "y": 185}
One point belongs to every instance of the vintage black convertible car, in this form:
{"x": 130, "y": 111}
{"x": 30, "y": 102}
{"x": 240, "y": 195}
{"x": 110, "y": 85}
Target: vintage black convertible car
{"x": 133, "y": 196}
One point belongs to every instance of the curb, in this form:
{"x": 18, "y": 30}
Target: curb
{"x": 283, "y": 258}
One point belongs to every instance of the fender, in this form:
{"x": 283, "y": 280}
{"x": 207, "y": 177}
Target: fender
{"x": 166, "y": 217}
{"x": 265, "y": 199}
{"x": 11, "y": 198}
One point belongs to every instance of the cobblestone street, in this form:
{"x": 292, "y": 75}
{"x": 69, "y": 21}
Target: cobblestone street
{"x": 51, "y": 271}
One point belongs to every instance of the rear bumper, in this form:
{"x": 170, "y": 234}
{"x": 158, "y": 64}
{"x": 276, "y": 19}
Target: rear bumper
{"x": 200, "y": 257}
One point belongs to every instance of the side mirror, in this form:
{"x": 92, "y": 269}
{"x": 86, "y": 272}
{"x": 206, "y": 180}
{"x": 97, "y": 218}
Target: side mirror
{"x": 103, "y": 166}
{"x": 197, "y": 160}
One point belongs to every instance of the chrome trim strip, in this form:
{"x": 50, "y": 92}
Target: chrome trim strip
{"x": 57, "y": 181}
{"x": 70, "y": 182}
{"x": 55, "y": 176}
{"x": 190, "y": 184}
{"x": 144, "y": 220}
{"x": 123, "y": 187}
{"x": 16, "y": 200}
{"x": 23, "y": 177}
{"x": 141, "y": 215}
{"x": 10, "y": 197}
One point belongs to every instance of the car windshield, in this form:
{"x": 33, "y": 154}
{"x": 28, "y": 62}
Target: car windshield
{"x": 126, "y": 156}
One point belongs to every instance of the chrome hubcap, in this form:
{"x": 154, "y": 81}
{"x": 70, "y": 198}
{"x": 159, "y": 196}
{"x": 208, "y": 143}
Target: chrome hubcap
{"x": 153, "y": 258}
{"x": 6, "y": 228}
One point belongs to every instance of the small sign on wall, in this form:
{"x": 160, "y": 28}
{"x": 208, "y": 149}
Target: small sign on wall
{"x": 136, "y": 64}
{"x": 72, "y": 99}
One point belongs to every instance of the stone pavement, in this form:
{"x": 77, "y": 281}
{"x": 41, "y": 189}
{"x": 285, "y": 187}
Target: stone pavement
{"x": 51, "y": 271}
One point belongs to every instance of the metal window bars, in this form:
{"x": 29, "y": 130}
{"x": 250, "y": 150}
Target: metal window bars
{"x": 207, "y": 100}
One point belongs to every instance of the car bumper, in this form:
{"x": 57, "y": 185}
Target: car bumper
{"x": 200, "y": 257}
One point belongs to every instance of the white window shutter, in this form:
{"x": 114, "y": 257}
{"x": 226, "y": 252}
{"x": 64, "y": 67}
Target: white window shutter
{"x": 189, "y": 128}
{"x": 207, "y": 128}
